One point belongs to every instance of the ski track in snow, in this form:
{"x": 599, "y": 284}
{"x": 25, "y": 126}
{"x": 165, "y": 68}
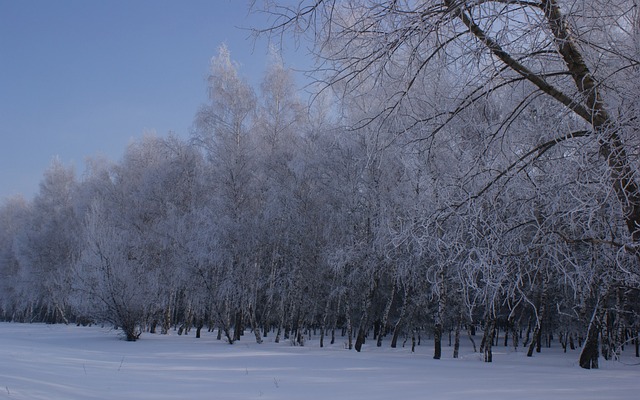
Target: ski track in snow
{"x": 40, "y": 361}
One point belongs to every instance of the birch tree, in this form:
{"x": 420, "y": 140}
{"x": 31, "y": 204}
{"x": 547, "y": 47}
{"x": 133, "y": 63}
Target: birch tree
{"x": 13, "y": 218}
{"x": 223, "y": 130}
{"x": 47, "y": 245}
{"x": 580, "y": 54}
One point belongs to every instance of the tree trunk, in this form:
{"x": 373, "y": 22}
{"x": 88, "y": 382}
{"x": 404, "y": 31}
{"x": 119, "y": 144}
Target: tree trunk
{"x": 590, "y": 351}
{"x": 281, "y": 321}
{"x": 278, "y": 333}
{"x": 166, "y": 321}
{"x": 154, "y": 325}
{"x": 360, "y": 339}
{"x": 323, "y": 325}
{"x": 413, "y": 340}
{"x": 488, "y": 337}
{"x": 437, "y": 340}
{"x": 254, "y": 325}
{"x": 349, "y": 327}
{"x": 620, "y": 322}
{"x": 527, "y": 336}
{"x": 225, "y": 321}
{"x": 188, "y": 323}
{"x": 514, "y": 334}
{"x": 470, "y": 333}
{"x": 199, "y": 326}
{"x": 398, "y": 325}
{"x": 537, "y": 333}
{"x": 605, "y": 334}
{"x": 572, "y": 344}
{"x": 237, "y": 326}
{"x": 385, "y": 316}
{"x": 456, "y": 340}
{"x": 364, "y": 321}
{"x": 506, "y": 336}
{"x": 299, "y": 334}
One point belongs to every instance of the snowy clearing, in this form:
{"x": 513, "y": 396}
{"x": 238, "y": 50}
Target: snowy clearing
{"x": 67, "y": 362}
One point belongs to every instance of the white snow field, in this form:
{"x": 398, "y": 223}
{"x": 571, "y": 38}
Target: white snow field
{"x": 67, "y": 362}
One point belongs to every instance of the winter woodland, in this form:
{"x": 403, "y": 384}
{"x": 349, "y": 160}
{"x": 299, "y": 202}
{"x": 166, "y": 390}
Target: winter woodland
{"x": 463, "y": 168}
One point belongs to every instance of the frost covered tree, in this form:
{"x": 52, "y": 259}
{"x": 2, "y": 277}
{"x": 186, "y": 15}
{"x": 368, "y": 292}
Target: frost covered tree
{"x": 46, "y": 246}
{"x": 131, "y": 271}
{"x": 13, "y": 217}
{"x": 111, "y": 286}
{"x": 582, "y": 55}
{"x": 415, "y": 194}
{"x": 222, "y": 130}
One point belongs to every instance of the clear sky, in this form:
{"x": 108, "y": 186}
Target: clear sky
{"x": 83, "y": 78}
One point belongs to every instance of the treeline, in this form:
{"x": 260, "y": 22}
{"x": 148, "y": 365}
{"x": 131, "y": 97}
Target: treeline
{"x": 281, "y": 218}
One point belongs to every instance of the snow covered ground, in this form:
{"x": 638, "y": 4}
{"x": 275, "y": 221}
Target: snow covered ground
{"x": 68, "y": 362}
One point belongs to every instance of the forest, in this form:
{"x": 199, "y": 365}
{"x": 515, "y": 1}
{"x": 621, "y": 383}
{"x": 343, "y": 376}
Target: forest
{"x": 460, "y": 166}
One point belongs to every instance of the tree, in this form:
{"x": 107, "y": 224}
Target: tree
{"x": 579, "y": 55}
{"x": 223, "y": 131}
{"x": 110, "y": 283}
{"x": 48, "y": 245}
{"x": 13, "y": 217}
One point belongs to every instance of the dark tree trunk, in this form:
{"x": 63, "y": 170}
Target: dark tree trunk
{"x": 154, "y": 325}
{"x": 166, "y": 321}
{"x": 364, "y": 321}
{"x": 199, "y": 326}
{"x": 439, "y": 317}
{"x": 456, "y": 340}
{"x": 237, "y": 326}
{"x": 527, "y": 336}
{"x": 323, "y": 326}
{"x": 347, "y": 310}
{"x": 488, "y": 338}
{"x": 572, "y": 344}
{"x": 514, "y": 335}
{"x": 437, "y": 340}
{"x": 506, "y": 336}
{"x": 377, "y": 331}
{"x": 590, "y": 352}
{"x": 537, "y": 333}
{"x": 471, "y": 334}
{"x": 131, "y": 329}
{"x": 254, "y": 325}
{"x": 413, "y": 341}
{"x": 398, "y": 325}
{"x": 360, "y": 339}
{"x": 278, "y": 333}
{"x": 396, "y": 334}
{"x": 385, "y": 316}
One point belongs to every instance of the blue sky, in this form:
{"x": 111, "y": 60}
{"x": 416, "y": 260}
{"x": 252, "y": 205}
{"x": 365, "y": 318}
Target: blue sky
{"x": 83, "y": 78}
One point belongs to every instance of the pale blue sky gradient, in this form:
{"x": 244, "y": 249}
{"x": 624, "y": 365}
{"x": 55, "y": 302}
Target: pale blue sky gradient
{"x": 84, "y": 78}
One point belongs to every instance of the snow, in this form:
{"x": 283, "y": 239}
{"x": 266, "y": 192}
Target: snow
{"x": 67, "y": 362}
